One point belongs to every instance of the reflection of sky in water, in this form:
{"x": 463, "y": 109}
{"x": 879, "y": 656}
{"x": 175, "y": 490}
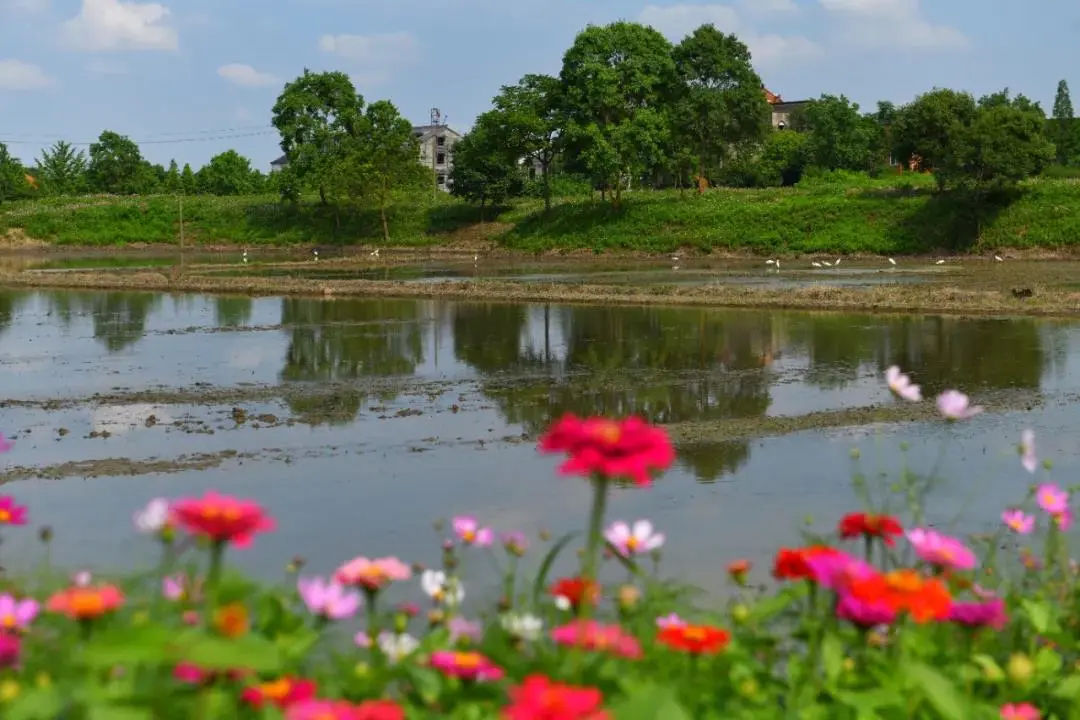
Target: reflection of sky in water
{"x": 361, "y": 483}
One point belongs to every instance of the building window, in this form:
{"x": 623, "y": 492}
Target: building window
{"x": 440, "y": 159}
{"x": 440, "y": 141}
{"x": 441, "y": 180}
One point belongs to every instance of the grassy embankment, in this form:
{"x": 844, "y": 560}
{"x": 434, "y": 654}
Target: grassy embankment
{"x": 848, "y": 215}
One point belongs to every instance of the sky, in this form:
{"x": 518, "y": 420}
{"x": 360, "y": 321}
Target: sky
{"x": 188, "y": 79}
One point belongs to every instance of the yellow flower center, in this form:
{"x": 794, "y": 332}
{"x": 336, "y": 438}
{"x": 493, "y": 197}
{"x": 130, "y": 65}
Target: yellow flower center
{"x": 632, "y": 543}
{"x": 903, "y": 580}
{"x": 467, "y": 659}
{"x": 468, "y": 536}
{"x": 5, "y": 516}
{"x": 277, "y": 690}
{"x": 8, "y": 620}
{"x": 694, "y": 634}
{"x": 608, "y": 432}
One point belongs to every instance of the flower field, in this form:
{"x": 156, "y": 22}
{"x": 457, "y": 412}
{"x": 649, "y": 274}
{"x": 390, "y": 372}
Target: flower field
{"x": 887, "y": 616}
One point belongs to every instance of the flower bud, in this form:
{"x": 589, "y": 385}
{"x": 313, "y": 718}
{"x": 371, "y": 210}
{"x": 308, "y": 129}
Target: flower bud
{"x": 628, "y": 597}
{"x": 740, "y": 613}
{"x": 1020, "y": 669}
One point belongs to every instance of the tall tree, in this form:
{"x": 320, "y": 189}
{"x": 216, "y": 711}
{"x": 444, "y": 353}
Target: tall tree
{"x": 115, "y": 163}
{"x": 485, "y": 170}
{"x": 228, "y": 173}
{"x": 387, "y": 152}
{"x": 1063, "y": 124}
{"x": 532, "y": 117}
{"x": 187, "y": 180}
{"x": 172, "y": 178}
{"x": 62, "y": 169}
{"x": 13, "y": 182}
{"x": 720, "y": 99}
{"x": 839, "y": 138}
{"x": 617, "y": 81}
{"x": 930, "y": 127}
{"x": 319, "y": 116}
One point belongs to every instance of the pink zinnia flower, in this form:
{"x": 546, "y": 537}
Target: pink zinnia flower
{"x": 900, "y": 384}
{"x": 5, "y": 444}
{"x": 222, "y": 518}
{"x": 372, "y": 574}
{"x": 17, "y": 614}
{"x": 465, "y": 665}
{"x": 343, "y": 710}
{"x": 591, "y": 635}
{"x": 1020, "y": 711}
{"x": 1051, "y": 498}
{"x": 863, "y": 612}
{"x": 638, "y": 540}
{"x": 985, "y": 614}
{"x": 630, "y": 449}
{"x": 10, "y": 513}
{"x": 672, "y": 620}
{"x": 330, "y": 600}
{"x": 468, "y": 530}
{"x": 1018, "y": 521}
{"x": 1027, "y": 451}
{"x": 10, "y": 649}
{"x": 835, "y": 570}
{"x": 955, "y": 405}
{"x": 938, "y": 549}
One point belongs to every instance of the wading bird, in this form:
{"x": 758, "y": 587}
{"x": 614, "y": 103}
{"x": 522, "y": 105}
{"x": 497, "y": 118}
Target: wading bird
{"x": 999, "y": 258}
{"x": 940, "y": 262}
{"x": 815, "y": 263}
{"x": 826, "y": 263}
{"x": 837, "y": 263}
{"x": 374, "y": 253}
{"x": 315, "y": 253}
{"x": 891, "y": 262}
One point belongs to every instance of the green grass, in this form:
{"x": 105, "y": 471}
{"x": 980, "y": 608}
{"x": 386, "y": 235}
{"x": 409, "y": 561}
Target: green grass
{"x": 835, "y": 212}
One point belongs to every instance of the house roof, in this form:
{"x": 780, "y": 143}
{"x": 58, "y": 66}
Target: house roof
{"x": 421, "y": 130}
{"x": 283, "y": 160}
{"x": 788, "y": 105}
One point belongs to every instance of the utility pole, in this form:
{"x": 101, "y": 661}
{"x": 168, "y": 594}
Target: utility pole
{"x": 181, "y": 201}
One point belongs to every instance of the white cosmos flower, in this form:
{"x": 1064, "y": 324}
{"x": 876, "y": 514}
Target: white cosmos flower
{"x": 154, "y": 517}
{"x": 523, "y": 626}
{"x": 397, "y": 647}
{"x": 442, "y": 589}
{"x": 638, "y": 540}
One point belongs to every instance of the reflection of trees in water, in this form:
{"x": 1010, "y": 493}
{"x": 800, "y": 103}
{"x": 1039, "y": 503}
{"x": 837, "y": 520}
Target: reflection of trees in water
{"x": 10, "y": 302}
{"x": 344, "y": 340}
{"x": 232, "y": 311}
{"x": 710, "y": 462}
{"x": 119, "y": 318}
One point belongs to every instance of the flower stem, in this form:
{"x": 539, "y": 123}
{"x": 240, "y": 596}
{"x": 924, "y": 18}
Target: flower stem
{"x": 596, "y": 522}
{"x": 213, "y": 577}
{"x": 370, "y": 595}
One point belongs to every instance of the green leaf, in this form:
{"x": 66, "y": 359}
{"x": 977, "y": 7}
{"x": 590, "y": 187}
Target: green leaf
{"x": 216, "y": 653}
{"x": 767, "y": 608}
{"x": 937, "y": 689}
{"x": 991, "y": 671}
{"x": 867, "y": 702}
{"x": 1069, "y": 688}
{"x": 35, "y": 705}
{"x": 129, "y": 645}
{"x": 832, "y": 655}
{"x": 545, "y": 566}
{"x": 1047, "y": 662}
{"x": 118, "y": 712}
{"x": 1039, "y": 613}
{"x": 650, "y": 702}
{"x": 426, "y": 682}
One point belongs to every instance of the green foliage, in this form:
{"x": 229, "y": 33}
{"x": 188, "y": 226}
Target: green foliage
{"x": 930, "y": 127}
{"x": 782, "y": 160}
{"x": 530, "y": 120}
{"x": 838, "y": 137}
{"x": 116, "y": 165}
{"x": 485, "y": 168}
{"x": 13, "y": 182}
{"x": 384, "y": 159}
{"x": 227, "y": 173}
{"x": 62, "y": 169}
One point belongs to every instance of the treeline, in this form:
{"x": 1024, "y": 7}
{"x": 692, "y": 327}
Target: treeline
{"x": 115, "y": 165}
{"x": 629, "y": 109}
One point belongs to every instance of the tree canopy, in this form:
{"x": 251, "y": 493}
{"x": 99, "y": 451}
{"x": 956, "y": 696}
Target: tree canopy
{"x": 115, "y": 164}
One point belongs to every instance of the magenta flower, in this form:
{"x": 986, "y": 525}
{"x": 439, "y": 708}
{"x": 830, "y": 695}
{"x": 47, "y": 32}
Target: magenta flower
{"x": 469, "y": 531}
{"x": 10, "y": 649}
{"x": 836, "y": 569}
{"x": 1051, "y": 498}
{"x": 10, "y": 513}
{"x": 5, "y": 444}
{"x": 942, "y": 550}
{"x": 864, "y": 613}
{"x": 465, "y": 665}
{"x": 668, "y": 621}
{"x": 955, "y": 405}
{"x": 16, "y": 614}
{"x": 1018, "y": 521}
{"x": 1019, "y": 711}
{"x": 515, "y": 543}
{"x": 638, "y": 540}
{"x": 1063, "y": 519}
{"x": 459, "y": 628}
{"x": 982, "y": 614}
{"x": 328, "y": 599}
{"x": 900, "y": 384}
{"x": 172, "y": 587}
{"x": 1027, "y": 451}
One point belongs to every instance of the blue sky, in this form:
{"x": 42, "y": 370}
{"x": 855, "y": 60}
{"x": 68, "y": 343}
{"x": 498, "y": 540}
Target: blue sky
{"x": 182, "y": 69}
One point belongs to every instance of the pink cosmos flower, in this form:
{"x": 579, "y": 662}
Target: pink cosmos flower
{"x": 864, "y": 613}
{"x": 900, "y": 384}
{"x": 1018, "y": 521}
{"x": 1051, "y": 498}
{"x": 172, "y": 587}
{"x": 5, "y": 444}
{"x": 591, "y": 635}
{"x": 515, "y": 543}
{"x": 372, "y": 574}
{"x": 983, "y": 614}
{"x": 1063, "y": 519}
{"x": 328, "y": 599}
{"x": 1027, "y": 451}
{"x": 17, "y": 614}
{"x": 938, "y": 549}
{"x": 469, "y": 531}
{"x": 1020, "y": 711}
{"x": 672, "y": 620}
{"x": 10, "y": 649}
{"x": 638, "y": 540}
{"x": 460, "y": 628}
{"x": 465, "y": 665}
{"x": 10, "y": 513}
{"x": 153, "y": 518}
{"x": 82, "y": 578}
{"x": 955, "y": 405}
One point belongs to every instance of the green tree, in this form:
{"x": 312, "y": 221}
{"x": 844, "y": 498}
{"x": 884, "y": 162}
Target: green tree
{"x": 172, "y": 178}
{"x": 228, "y": 173}
{"x": 319, "y": 115}
{"x": 838, "y": 137}
{"x": 13, "y": 183}
{"x": 1064, "y": 135}
{"x": 387, "y": 153}
{"x": 720, "y": 98}
{"x": 188, "y": 185}
{"x": 62, "y": 169}
{"x": 115, "y": 164}
{"x": 782, "y": 159}
{"x": 617, "y": 82}
{"x": 929, "y": 128}
{"x": 532, "y": 118}
{"x": 485, "y": 169}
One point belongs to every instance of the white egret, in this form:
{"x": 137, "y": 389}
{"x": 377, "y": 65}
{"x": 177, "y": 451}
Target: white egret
{"x": 837, "y": 263}
{"x": 891, "y": 261}
{"x": 826, "y": 263}
{"x": 940, "y": 262}
{"x": 770, "y": 262}
{"x": 374, "y": 253}
{"x": 999, "y": 258}
{"x": 815, "y": 263}
{"x": 315, "y": 253}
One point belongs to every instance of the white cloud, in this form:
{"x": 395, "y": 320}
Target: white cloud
{"x": 18, "y": 75}
{"x": 373, "y": 58}
{"x": 678, "y": 21}
{"x": 246, "y": 76}
{"x": 116, "y": 25}
{"x": 893, "y": 23}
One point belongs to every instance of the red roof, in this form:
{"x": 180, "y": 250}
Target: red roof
{"x": 771, "y": 97}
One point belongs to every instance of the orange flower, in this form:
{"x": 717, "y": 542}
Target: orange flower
{"x": 283, "y": 692}
{"x": 231, "y": 620}
{"x": 696, "y": 639}
{"x": 905, "y": 590}
{"x": 576, "y": 591}
{"x": 86, "y": 603}
{"x": 738, "y": 570}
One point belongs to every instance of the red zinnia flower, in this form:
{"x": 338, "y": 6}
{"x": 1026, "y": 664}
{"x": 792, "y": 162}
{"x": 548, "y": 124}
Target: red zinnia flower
{"x": 577, "y": 591}
{"x": 222, "y": 518}
{"x": 696, "y": 639}
{"x": 538, "y": 698}
{"x": 791, "y": 564}
{"x": 629, "y": 448}
{"x": 86, "y": 603}
{"x": 904, "y": 590}
{"x": 870, "y": 525}
{"x": 282, "y": 692}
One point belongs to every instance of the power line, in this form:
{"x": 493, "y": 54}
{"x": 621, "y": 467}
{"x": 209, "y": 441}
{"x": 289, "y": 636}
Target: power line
{"x": 152, "y": 135}
{"x": 171, "y": 141}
